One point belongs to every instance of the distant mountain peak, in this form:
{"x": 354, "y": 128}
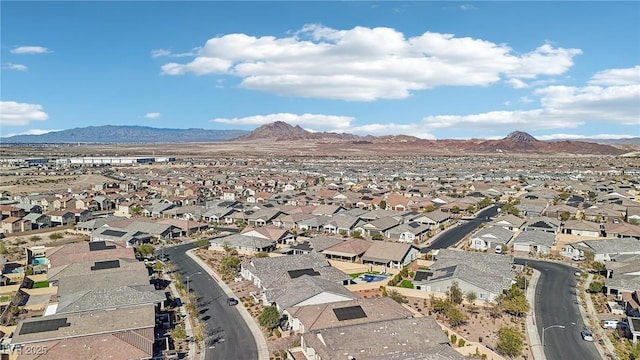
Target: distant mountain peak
{"x": 278, "y": 130}
{"x": 520, "y": 136}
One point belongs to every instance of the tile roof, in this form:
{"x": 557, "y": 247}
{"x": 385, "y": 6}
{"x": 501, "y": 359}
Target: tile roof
{"x": 383, "y": 339}
{"x": 321, "y": 316}
{"x": 386, "y": 250}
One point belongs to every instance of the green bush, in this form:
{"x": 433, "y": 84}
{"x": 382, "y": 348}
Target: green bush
{"x": 461, "y": 342}
{"x": 55, "y": 236}
{"x": 454, "y": 339}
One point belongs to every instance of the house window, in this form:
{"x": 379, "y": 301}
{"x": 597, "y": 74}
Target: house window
{"x": 483, "y": 296}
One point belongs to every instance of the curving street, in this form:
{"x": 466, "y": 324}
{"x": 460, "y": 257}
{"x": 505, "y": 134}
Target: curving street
{"x": 556, "y": 304}
{"x": 453, "y": 235}
{"x": 229, "y": 336}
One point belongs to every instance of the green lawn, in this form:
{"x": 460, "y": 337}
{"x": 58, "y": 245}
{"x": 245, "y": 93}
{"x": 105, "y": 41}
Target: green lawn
{"x": 406, "y": 284}
{"x": 5, "y": 298}
{"x": 40, "y": 284}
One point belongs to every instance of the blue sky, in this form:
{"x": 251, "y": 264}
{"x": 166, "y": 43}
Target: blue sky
{"x": 428, "y": 69}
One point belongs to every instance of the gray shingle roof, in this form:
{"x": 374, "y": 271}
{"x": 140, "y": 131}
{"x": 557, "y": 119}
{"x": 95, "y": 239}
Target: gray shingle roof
{"x": 380, "y": 340}
{"x": 535, "y": 237}
{"x": 303, "y": 288}
{"x": 109, "y": 298}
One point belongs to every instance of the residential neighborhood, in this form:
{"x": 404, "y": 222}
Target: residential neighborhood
{"x": 327, "y": 260}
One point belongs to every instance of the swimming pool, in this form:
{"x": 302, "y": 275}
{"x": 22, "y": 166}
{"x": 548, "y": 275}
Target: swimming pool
{"x": 372, "y": 278}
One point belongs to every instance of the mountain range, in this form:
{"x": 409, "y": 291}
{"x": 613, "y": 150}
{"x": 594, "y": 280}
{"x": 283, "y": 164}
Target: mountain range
{"x": 282, "y": 132}
{"x": 111, "y": 134}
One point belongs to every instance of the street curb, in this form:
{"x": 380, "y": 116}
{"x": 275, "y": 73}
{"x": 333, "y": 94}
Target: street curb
{"x": 532, "y": 330}
{"x": 261, "y": 343}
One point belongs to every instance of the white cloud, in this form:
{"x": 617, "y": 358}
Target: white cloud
{"x": 152, "y": 115}
{"x": 613, "y": 104}
{"x": 618, "y": 77}
{"x": 521, "y": 120}
{"x": 156, "y": 53}
{"x": 467, "y": 7}
{"x": 311, "y": 122}
{"x": 19, "y": 114}
{"x": 366, "y": 64}
{"x": 560, "y": 107}
{"x": 526, "y": 100}
{"x": 18, "y": 67}
{"x": 517, "y": 83}
{"x": 578, "y": 137}
{"x": 30, "y": 50}
{"x": 545, "y": 60}
{"x": 31, "y": 132}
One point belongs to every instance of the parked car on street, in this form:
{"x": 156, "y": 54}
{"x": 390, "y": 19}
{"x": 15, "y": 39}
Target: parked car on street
{"x": 232, "y": 301}
{"x": 586, "y": 334}
{"x": 578, "y": 258}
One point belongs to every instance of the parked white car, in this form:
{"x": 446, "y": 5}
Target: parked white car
{"x": 578, "y": 258}
{"x": 609, "y": 324}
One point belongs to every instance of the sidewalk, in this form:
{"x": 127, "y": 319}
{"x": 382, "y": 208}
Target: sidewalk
{"x": 261, "y": 343}
{"x": 185, "y": 315}
{"x": 590, "y": 314}
{"x": 532, "y": 328}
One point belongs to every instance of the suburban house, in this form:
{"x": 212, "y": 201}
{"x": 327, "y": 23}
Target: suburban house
{"x": 542, "y": 224}
{"x": 602, "y": 249}
{"x": 622, "y": 230}
{"x": 534, "y": 242}
{"x": 242, "y": 243}
{"x": 509, "y": 222}
{"x": 307, "y": 289}
{"x": 270, "y": 232}
{"x": 390, "y": 254}
{"x": 38, "y": 221}
{"x": 487, "y": 274}
{"x": 342, "y": 224}
{"x": 490, "y": 238}
{"x": 408, "y": 232}
{"x": 561, "y": 210}
{"x": 307, "y": 245}
{"x": 307, "y": 318}
{"x": 125, "y": 236}
{"x": 273, "y": 272}
{"x": 350, "y": 250}
{"x": 12, "y": 225}
{"x": 61, "y": 217}
{"x": 126, "y": 333}
{"x": 623, "y": 275}
{"x": 581, "y": 228}
{"x": 434, "y": 218}
{"x": 417, "y": 338}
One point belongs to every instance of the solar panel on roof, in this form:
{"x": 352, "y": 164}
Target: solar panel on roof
{"x": 109, "y": 264}
{"x": 414, "y": 224}
{"x": 349, "y": 313}
{"x": 43, "y": 325}
{"x": 422, "y": 275}
{"x": 100, "y": 245}
{"x": 297, "y": 273}
{"x": 116, "y": 233}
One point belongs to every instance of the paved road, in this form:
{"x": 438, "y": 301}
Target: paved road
{"x": 229, "y": 335}
{"x": 453, "y": 235}
{"x": 555, "y": 304}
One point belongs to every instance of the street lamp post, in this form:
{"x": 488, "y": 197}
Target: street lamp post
{"x": 188, "y": 278}
{"x": 547, "y": 328}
